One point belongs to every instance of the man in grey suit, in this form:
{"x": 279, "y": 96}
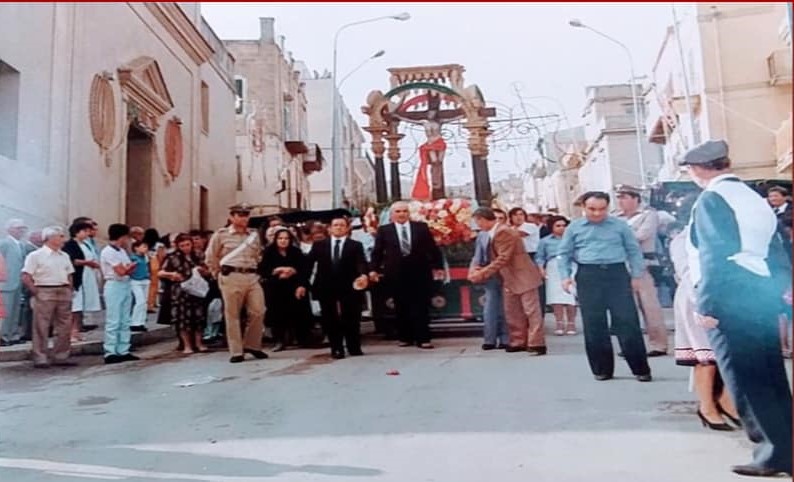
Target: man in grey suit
{"x": 494, "y": 323}
{"x": 14, "y": 249}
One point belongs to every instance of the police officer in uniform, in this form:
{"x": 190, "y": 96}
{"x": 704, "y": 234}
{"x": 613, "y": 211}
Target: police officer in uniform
{"x": 233, "y": 255}
{"x": 645, "y": 225}
{"x": 740, "y": 274}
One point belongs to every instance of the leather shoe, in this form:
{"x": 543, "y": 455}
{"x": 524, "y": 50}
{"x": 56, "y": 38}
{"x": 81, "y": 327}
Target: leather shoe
{"x": 237, "y": 359}
{"x": 756, "y": 471}
{"x": 41, "y": 365}
{"x": 644, "y": 378}
{"x": 112, "y": 359}
{"x": 488, "y": 346}
{"x": 655, "y": 353}
{"x": 537, "y": 351}
{"x": 602, "y": 378}
{"x": 356, "y": 353}
{"x": 139, "y": 329}
{"x": 86, "y": 328}
{"x": 515, "y": 349}
{"x": 258, "y": 354}
{"x": 65, "y": 363}
{"x": 501, "y": 346}
{"x": 129, "y": 357}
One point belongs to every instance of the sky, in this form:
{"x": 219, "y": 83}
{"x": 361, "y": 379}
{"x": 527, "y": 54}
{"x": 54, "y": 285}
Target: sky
{"x": 503, "y": 46}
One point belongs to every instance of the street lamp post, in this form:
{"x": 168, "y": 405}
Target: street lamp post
{"x": 336, "y": 167}
{"x": 637, "y": 123}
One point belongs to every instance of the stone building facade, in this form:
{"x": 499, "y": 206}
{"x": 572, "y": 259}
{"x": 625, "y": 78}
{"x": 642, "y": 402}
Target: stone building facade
{"x": 736, "y": 66}
{"x": 118, "y": 111}
{"x": 274, "y": 156}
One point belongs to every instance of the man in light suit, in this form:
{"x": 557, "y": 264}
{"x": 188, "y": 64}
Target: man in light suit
{"x": 520, "y": 281}
{"x": 494, "y": 324}
{"x": 14, "y": 250}
{"x": 741, "y": 273}
{"x": 407, "y": 258}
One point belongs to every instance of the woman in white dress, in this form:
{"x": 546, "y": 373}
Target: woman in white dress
{"x": 86, "y": 297}
{"x": 562, "y": 303}
{"x": 692, "y": 347}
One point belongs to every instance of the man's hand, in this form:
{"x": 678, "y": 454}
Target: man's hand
{"x": 361, "y": 282}
{"x": 374, "y": 276}
{"x": 476, "y": 275}
{"x": 636, "y": 284}
{"x": 706, "y": 321}
{"x": 568, "y": 285}
{"x": 438, "y": 274}
{"x": 300, "y": 292}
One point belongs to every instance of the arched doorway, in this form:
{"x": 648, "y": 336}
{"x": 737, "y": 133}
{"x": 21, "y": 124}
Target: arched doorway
{"x": 139, "y": 178}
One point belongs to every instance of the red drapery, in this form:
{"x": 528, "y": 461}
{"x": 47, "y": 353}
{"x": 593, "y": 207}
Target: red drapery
{"x": 421, "y": 190}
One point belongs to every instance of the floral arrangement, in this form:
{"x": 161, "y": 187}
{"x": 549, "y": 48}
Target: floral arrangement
{"x": 449, "y": 219}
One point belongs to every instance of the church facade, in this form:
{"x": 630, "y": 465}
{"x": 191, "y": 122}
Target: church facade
{"x": 123, "y": 112}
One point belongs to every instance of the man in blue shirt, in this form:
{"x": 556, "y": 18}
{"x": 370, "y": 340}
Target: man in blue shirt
{"x": 601, "y": 245}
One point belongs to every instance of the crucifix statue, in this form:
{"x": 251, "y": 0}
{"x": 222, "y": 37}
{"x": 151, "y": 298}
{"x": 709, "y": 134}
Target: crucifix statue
{"x": 431, "y": 156}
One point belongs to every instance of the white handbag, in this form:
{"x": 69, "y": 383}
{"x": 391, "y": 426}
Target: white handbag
{"x": 196, "y": 285}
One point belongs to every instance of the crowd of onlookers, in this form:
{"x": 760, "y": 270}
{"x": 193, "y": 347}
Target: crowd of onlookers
{"x": 314, "y": 277}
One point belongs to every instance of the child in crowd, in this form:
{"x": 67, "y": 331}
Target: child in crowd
{"x": 140, "y": 279}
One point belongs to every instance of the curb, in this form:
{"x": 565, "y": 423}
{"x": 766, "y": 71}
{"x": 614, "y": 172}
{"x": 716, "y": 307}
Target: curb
{"x": 94, "y": 348}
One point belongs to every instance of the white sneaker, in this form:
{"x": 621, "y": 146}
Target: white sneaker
{"x": 570, "y": 332}
{"x": 559, "y": 332}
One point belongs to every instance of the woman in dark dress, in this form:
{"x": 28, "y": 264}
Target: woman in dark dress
{"x": 187, "y": 311}
{"x": 283, "y": 269}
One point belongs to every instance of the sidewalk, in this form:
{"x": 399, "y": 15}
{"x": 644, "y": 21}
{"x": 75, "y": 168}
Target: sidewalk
{"x": 92, "y": 344}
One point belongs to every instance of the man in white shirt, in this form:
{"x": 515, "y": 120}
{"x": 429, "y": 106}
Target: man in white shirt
{"x": 13, "y": 250}
{"x": 47, "y": 274}
{"x": 116, "y": 268}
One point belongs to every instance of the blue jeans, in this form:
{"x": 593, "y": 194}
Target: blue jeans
{"x": 118, "y": 311}
{"x": 495, "y": 325}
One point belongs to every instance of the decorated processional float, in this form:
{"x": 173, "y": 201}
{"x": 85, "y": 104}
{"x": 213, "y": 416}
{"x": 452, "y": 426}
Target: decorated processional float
{"x": 430, "y": 97}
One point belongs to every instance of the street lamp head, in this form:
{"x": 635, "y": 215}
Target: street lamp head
{"x": 379, "y": 53}
{"x": 575, "y": 22}
{"x": 402, "y": 17}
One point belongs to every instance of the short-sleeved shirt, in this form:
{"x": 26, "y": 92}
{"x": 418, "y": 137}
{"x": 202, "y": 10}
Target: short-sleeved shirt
{"x": 141, "y": 272}
{"x": 49, "y": 267}
{"x": 532, "y": 239}
{"x": 111, "y": 257}
{"x": 225, "y": 241}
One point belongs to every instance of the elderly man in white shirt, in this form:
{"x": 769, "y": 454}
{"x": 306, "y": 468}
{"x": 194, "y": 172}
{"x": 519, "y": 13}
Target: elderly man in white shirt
{"x": 47, "y": 274}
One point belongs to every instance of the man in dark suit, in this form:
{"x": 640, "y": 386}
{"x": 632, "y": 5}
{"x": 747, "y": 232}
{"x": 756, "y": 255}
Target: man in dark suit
{"x": 408, "y": 259}
{"x": 740, "y": 275}
{"x": 338, "y": 283}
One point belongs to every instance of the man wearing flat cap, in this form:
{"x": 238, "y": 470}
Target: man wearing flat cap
{"x": 740, "y": 274}
{"x": 645, "y": 225}
{"x": 233, "y": 255}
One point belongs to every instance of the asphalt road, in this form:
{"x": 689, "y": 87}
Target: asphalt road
{"x": 455, "y": 414}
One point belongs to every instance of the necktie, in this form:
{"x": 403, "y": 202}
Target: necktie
{"x": 337, "y": 250}
{"x": 405, "y": 243}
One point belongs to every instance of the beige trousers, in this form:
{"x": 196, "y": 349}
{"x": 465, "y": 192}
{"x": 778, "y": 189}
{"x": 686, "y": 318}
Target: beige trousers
{"x": 52, "y": 307}
{"x": 243, "y": 291}
{"x": 648, "y": 302}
